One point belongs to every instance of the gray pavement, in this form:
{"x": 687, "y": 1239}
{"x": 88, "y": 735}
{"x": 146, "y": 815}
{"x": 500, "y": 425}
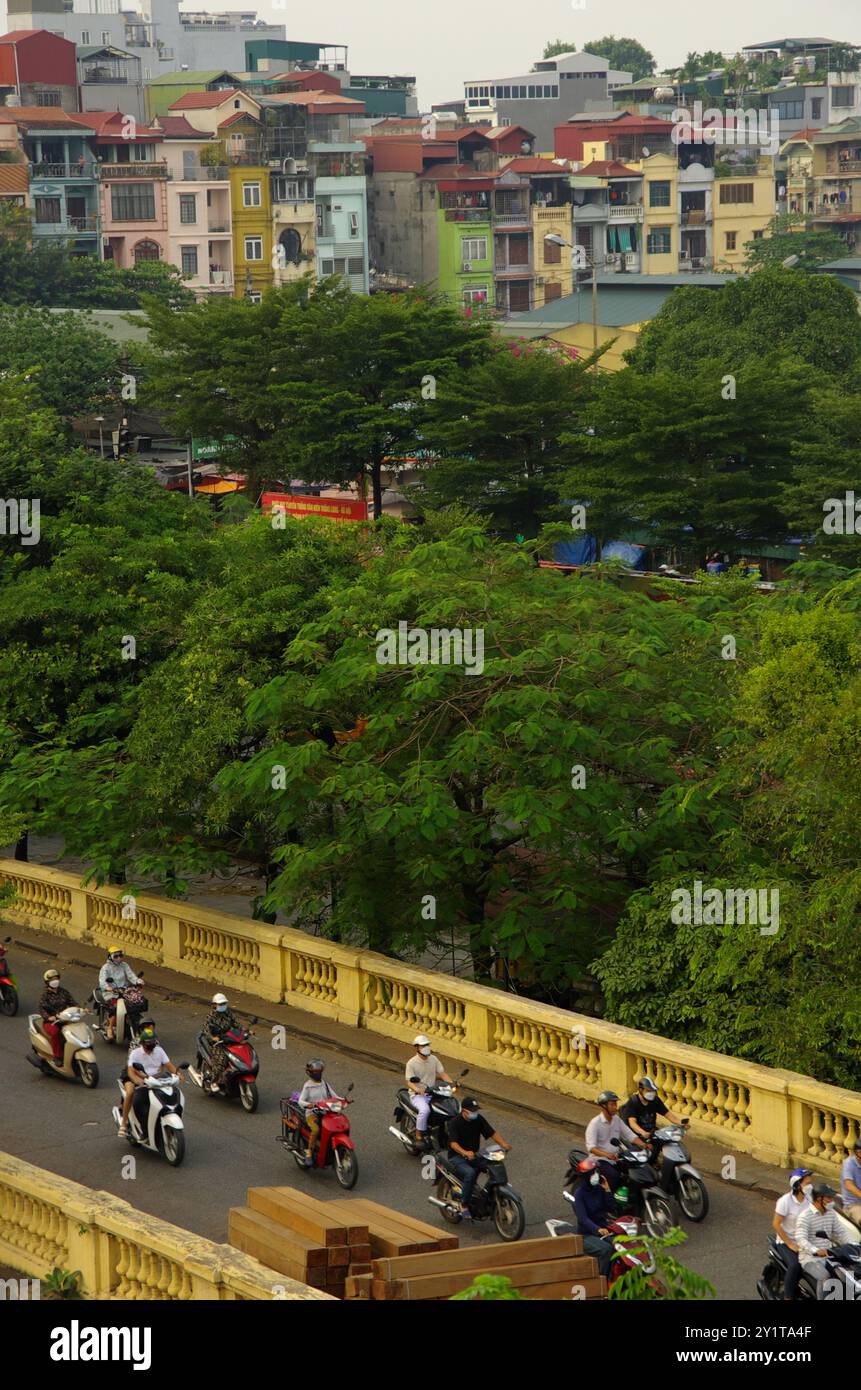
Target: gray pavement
{"x": 68, "y": 1130}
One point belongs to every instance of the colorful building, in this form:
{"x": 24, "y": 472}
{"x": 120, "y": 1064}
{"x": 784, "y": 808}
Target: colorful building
{"x": 37, "y": 68}
{"x": 199, "y": 217}
{"x": 133, "y": 178}
{"x": 63, "y": 174}
{"x": 824, "y": 178}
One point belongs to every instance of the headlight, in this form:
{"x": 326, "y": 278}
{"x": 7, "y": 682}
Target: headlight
{"x": 335, "y": 1109}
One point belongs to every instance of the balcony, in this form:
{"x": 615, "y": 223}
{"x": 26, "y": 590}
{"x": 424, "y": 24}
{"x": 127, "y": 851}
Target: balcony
{"x": 68, "y": 226}
{"x": 87, "y": 170}
{"x": 198, "y": 173}
{"x": 467, "y": 215}
{"x": 694, "y": 264}
{"x": 508, "y": 271}
{"x": 218, "y": 226}
{"x": 158, "y": 170}
{"x": 695, "y": 217}
{"x": 590, "y": 212}
{"x": 626, "y": 212}
{"x": 558, "y": 214}
{"x": 828, "y": 211}
{"x": 512, "y": 217}
{"x": 845, "y": 166}
{"x": 221, "y": 279}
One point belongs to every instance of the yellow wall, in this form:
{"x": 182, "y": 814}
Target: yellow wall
{"x": 255, "y": 221}
{"x": 558, "y": 220}
{"x": 579, "y": 335}
{"x": 742, "y": 218}
{"x": 664, "y": 167}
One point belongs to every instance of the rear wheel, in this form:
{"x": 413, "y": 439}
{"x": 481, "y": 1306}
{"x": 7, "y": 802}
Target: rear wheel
{"x": 658, "y": 1216}
{"x": 248, "y": 1096}
{"x": 346, "y": 1166}
{"x": 693, "y": 1197}
{"x": 446, "y": 1194}
{"x": 509, "y": 1218}
{"x": 174, "y": 1146}
{"x": 89, "y": 1073}
{"x": 9, "y": 1001}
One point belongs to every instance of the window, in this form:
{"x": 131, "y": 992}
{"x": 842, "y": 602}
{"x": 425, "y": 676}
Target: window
{"x": 187, "y": 208}
{"x": 85, "y": 38}
{"x": 189, "y": 259}
{"x": 134, "y": 202}
{"x": 757, "y": 236}
{"x": 254, "y": 248}
{"x": 658, "y": 242}
{"x": 475, "y": 294}
{"x": 816, "y": 108}
{"x": 355, "y": 265}
{"x": 251, "y": 195}
{"x": 736, "y": 192}
{"x": 730, "y": 240}
{"x": 473, "y": 248}
{"x": 254, "y": 297}
{"x": 552, "y": 253}
{"x": 106, "y": 38}
{"x": 506, "y": 93}
{"x": 788, "y": 110}
{"x": 843, "y": 96}
{"x": 354, "y": 224}
{"x": 659, "y": 193}
{"x": 42, "y": 98}
{"x": 48, "y": 210}
{"x": 531, "y": 91}
{"x": 552, "y": 291}
{"x": 146, "y": 251}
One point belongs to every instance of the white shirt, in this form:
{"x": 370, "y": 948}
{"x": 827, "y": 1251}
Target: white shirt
{"x": 428, "y": 1069}
{"x": 837, "y": 1232}
{"x": 599, "y": 1132}
{"x": 789, "y": 1212}
{"x": 150, "y": 1062}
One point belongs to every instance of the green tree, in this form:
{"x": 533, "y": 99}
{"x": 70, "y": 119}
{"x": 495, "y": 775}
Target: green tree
{"x": 625, "y": 55}
{"x": 489, "y": 1286}
{"x": 75, "y": 367}
{"x": 812, "y": 245}
{"x": 668, "y": 1278}
{"x": 813, "y": 318}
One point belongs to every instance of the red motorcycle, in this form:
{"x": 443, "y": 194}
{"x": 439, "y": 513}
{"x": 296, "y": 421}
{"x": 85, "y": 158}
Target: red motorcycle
{"x": 335, "y": 1148}
{"x": 242, "y": 1066}
{"x": 8, "y": 986}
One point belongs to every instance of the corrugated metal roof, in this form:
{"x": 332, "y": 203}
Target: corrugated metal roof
{"x": 180, "y": 79}
{"x": 638, "y": 299}
{"x": 206, "y": 101}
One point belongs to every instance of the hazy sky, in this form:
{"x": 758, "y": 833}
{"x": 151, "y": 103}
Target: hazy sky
{"x": 445, "y": 42}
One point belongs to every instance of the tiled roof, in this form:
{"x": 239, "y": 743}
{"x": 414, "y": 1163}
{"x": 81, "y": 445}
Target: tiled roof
{"x": 609, "y": 169}
{"x": 102, "y": 121}
{"x": 13, "y": 178}
{"x": 527, "y": 164}
{"x": 204, "y": 101}
{"x": 178, "y": 128}
{"x": 46, "y": 118}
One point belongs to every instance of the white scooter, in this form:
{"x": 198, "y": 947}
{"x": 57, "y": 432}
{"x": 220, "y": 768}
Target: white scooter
{"x": 155, "y": 1118}
{"x": 78, "y": 1060}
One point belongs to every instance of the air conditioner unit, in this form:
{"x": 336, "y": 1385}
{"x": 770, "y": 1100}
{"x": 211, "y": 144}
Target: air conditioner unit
{"x": 683, "y": 255}
{"x": 467, "y": 265}
{"x": 540, "y": 280}
{"x": 630, "y": 261}
{"x": 612, "y": 259}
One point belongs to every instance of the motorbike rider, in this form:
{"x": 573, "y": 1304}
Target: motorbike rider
{"x": 430, "y": 1071}
{"x": 314, "y": 1090}
{"x": 147, "y": 1059}
{"x": 601, "y": 1130}
{"x": 787, "y": 1211}
{"x": 822, "y": 1216}
{"x": 465, "y": 1133}
{"x": 640, "y": 1112}
{"x": 850, "y": 1185}
{"x": 115, "y": 975}
{"x": 595, "y": 1208}
{"x": 53, "y": 1001}
{"x": 220, "y": 1020}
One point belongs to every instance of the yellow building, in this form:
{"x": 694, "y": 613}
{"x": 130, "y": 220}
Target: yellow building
{"x": 251, "y": 203}
{"x": 743, "y": 205}
{"x": 824, "y": 178}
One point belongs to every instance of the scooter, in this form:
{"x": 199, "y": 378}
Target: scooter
{"x": 242, "y": 1064}
{"x": 130, "y": 1011}
{"x": 443, "y": 1107}
{"x": 640, "y": 1196}
{"x": 335, "y": 1148}
{"x": 78, "y": 1060}
{"x": 676, "y": 1175}
{"x": 626, "y": 1254}
{"x": 8, "y": 984}
{"x": 155, "y": 1118}
{"x": 491, "y": 1199}
{"x": 842, "y": 1263}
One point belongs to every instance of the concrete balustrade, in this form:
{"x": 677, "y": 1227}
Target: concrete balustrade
{"x": 777, "y": 1116}
{"x": 47, "y": 1222}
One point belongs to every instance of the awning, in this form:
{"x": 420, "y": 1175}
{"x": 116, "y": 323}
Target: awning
{"x": 220, "y": 486}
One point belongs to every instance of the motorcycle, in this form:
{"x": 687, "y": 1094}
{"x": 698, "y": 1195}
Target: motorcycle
{"x": 640, "y": 1196}
{"x": 491, "y": 1199}
{"x": 131, "y": 1008}
{"x": 443, "y": 1107}
{"x": 155, "y": 1118}
{"x": 842, "y": 1263}
{"x": 335, "y": 1148}
{"x": 8, "y": 984}
{"x": 676, "y": 1175}
{"x": 242, "y": 1067}
{"x": 78, "y": 1058}
{"x": 625, "y": 1254}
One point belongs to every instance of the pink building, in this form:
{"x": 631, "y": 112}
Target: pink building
{"x": 133, "y": 178}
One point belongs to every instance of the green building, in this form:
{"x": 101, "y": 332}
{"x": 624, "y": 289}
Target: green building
{"x": 162, "y": 91}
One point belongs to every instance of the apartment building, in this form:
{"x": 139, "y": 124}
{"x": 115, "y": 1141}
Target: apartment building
{"x": 133, "y": 177}
{"x": 64, "y": 178}
{"x": 824, "y": 178}
{"x": 110, "y": 79}
{"x": 199, "y": 214}
{"x": 37, "y": 69}
{"x": 554, "y": 90}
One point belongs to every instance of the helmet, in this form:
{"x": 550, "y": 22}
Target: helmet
{"x": 588, "y": 1168}
{"x": 857, "y": 1144}
{"x": 114, "y": 951}
{"x": 605, "y": 1096}
{"x": 219, "y": 998}
{"x": 798, "y": 1175}
{"x": 821, "y": 1189}
{"x": 148, "y": 1037}
{"x": 315, "y": 1068}
{"x": 421, "y": 1041}
{"x": 51, "y": 975}
{"x": 645, "y": 1083}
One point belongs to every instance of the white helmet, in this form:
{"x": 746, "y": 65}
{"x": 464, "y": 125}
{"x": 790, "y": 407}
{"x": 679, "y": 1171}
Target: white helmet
{"x": 219, "y": 998}
{"x": 421, "y": 1041}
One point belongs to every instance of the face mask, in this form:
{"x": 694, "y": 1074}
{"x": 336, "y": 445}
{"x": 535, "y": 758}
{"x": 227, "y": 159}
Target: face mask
{"x": 425, "y": 1051}
{"x": 221, "y": 1008}
{"x": 807, "y": 1189}
{"x": 53, "y": 984}
{"x": 648, "y": 1095}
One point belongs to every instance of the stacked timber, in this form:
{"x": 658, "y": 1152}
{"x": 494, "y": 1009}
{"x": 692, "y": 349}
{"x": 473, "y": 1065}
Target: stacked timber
{"x": 554, "y": 1268}
{"x": 301, "y": 1237}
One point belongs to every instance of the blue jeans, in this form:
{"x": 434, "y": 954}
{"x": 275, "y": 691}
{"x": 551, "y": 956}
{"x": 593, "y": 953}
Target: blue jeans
{"x": 467, "y": 1171}
{"x": 602, "y": 1250}
{"x": 793, "y": 1272}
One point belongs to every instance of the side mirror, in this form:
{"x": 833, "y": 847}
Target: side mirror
{"x": 183, "y": 1066}
{"x": 465, "y": 1071}
{"x": 350, "y": 1087}
{"x": 7, "y": 939}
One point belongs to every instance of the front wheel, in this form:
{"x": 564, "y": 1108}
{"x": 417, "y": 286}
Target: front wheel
{"x": 346, "y": 1166}
{"x": 658, "y": 1216}
{"x": 174, "y": 1146}
{"x": 89, "y": 1073}
{"x": 9, "y": 1001}
{"x": 248, "y": 1096}
{"x": 693, "y": 1197}
{"x": 509, "y": 1218}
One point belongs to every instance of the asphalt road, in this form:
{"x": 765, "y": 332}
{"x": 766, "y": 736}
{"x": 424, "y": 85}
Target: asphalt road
{"x": 61, "y": 1126}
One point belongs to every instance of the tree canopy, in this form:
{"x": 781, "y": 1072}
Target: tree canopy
{"x": 624, "y": 55}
